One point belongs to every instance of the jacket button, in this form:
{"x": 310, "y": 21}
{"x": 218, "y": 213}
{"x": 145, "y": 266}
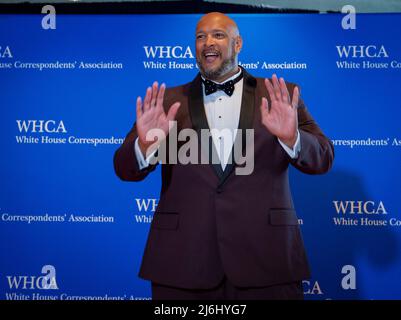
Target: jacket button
{"x": 219, "y": 190}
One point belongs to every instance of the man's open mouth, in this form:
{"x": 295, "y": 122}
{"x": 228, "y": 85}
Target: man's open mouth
{"x": 211, "y": 56}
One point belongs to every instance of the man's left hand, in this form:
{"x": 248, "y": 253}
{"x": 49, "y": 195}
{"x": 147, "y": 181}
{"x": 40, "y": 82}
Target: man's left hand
{"x": 281, "y": 119}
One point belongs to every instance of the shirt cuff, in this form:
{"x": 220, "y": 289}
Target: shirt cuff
{"x": 294, "y": 152}
{"x": 142, "y": 162}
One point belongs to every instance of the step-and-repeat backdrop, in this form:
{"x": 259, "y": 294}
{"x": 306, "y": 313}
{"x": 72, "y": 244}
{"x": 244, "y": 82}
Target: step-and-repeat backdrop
{"x": 70, "y": 229}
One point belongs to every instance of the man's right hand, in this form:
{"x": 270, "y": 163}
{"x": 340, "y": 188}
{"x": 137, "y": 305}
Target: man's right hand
{"x": 150, "y": 115}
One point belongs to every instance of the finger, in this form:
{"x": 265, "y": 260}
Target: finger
{"x": 270, "y": 90}
{"x": 138, "y": 108}
{"x": 264, "y": 107}
{"x": 284, "y": 91}
{"x": 160, "y": 96}
{"x": 276, "y": 87}
{"x": 173, "y": 111}
{"x": 147, "y": 99}
{"x": 295, "y": 98}
{"x": 154, "y": 94}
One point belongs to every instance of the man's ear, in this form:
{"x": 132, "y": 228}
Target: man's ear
{"x": 238, "y": 44}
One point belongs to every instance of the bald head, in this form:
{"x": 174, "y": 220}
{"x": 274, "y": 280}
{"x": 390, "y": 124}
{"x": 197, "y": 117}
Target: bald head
{"x": 217, "y": 46}
{"x": 220, "y": 19}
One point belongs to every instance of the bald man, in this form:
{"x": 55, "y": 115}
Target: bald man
{"x": 217, "y": 234}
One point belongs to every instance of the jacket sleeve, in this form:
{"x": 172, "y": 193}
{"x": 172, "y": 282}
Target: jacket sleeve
{"x": 125, "y": 163}
{"x": 317, "y": 151}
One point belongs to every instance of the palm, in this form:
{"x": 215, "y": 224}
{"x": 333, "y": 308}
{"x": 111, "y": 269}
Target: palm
{"x": 151, "y": 114}
{"x": 281, "y": 118}
{"x": 281, "y": 121}
{"x": 154, "y": 118}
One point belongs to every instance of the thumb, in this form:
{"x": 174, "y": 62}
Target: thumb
{"x": 173, "y": 111}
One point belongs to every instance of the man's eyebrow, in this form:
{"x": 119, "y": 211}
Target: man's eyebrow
{"x": 214, "y": 30}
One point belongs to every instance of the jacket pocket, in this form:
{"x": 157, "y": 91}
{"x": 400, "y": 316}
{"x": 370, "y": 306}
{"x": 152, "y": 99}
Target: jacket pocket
{"x": 165, "y": 220}
{"x": 283, "y": 217}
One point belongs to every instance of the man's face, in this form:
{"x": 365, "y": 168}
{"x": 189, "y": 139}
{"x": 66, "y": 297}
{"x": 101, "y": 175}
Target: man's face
{"x": 217, "y": 47}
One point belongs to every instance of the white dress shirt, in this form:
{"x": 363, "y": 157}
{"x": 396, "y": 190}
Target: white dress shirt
{"x": 222, "y": 112}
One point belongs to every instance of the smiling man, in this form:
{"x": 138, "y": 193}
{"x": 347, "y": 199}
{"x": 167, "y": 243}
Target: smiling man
{"x": 215, "y": 234}
{"x": 217, "y": 46}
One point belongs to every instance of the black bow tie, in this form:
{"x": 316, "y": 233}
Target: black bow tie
{"x": 227, "y": 87}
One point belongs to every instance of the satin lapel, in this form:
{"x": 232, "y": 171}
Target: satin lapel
{"x": 246, "y": 119}
{"x": 199, "y": 121}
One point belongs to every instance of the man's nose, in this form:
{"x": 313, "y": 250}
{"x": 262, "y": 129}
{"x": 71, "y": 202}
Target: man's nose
{"x": 209, "y": 40}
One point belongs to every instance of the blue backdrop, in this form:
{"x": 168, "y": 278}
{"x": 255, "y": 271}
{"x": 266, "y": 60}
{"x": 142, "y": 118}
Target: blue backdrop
{"x": 70, "y": 229}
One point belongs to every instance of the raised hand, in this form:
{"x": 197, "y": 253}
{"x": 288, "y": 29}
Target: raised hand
{"x": 150, "y": 115}
{"x": 281, "y": 119}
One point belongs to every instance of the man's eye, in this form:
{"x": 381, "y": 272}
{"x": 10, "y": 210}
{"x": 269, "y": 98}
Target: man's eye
{"x": 200, "y": 36}
{"x": 219, "y": 35}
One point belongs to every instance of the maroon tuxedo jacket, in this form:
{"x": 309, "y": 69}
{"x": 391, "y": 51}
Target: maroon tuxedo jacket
{"x": 211, "y": 223}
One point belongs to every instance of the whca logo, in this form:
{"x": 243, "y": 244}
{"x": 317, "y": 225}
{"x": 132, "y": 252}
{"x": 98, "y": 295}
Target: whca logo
{"x": 45, "y": 281}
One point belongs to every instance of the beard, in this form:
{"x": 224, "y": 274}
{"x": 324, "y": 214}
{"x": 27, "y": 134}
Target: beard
{"x": 226, "y": 66}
